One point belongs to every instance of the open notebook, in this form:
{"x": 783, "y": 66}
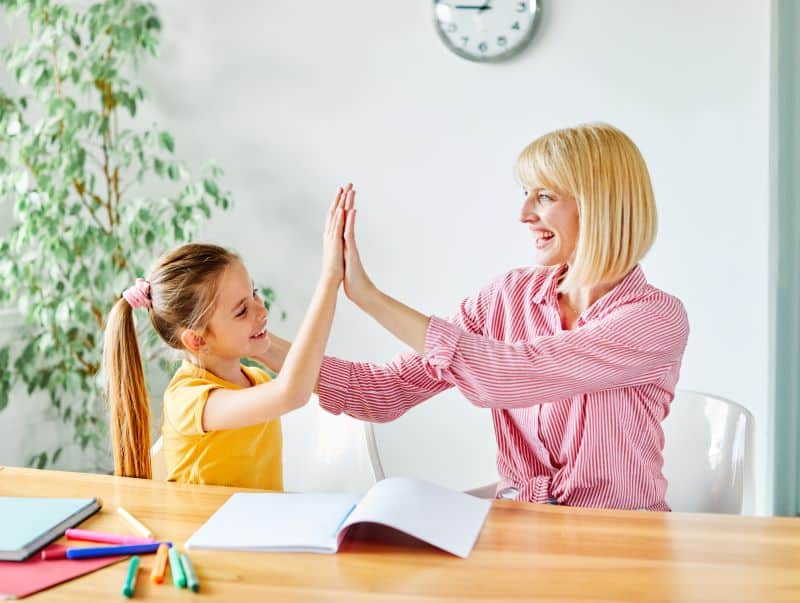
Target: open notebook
{"x": 317, "y": 523}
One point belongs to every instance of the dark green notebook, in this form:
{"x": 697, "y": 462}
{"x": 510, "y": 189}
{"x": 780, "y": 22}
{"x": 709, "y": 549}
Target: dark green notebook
{"x": 29, "y": 524}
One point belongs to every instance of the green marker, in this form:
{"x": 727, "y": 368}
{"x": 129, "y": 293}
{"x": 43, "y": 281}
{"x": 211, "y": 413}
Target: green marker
{"x": 191, "y": 577}
{"x": 130, "y": 579}
{"x": 178, "y": 577}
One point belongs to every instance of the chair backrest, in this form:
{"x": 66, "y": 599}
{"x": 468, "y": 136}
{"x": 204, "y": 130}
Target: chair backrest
{"x": 326, "y": 453}
{"x": 321, "y": 452}
{"x": 159, "y": 467}
{"x": 708, "y": 454}
{"x": 446, "y": 441}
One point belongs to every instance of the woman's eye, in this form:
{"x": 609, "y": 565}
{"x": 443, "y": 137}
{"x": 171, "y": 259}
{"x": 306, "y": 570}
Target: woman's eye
{"x": 544, "y": 197}
{"x": 255, "y": 292}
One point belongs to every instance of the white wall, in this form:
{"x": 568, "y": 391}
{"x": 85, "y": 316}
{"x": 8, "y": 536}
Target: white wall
{"x": 292, "y": 99}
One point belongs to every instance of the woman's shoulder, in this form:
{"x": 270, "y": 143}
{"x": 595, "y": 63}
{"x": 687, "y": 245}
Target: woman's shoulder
{"x": 534, "y": 280}
{"x": 646, "y": 300}
{"x": 661, "y": 302}
{"x": 532, "y": 276}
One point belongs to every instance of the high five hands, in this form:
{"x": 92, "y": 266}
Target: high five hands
{"x": 357, "y": 285}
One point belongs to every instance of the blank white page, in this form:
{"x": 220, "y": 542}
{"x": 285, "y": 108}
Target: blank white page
{"x": 444, "y": 518}
{"x": 275, "y": 522}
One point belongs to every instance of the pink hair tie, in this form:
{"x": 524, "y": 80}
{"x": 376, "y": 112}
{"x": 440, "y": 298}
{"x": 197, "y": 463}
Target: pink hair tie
{"x": 138, "y": 295}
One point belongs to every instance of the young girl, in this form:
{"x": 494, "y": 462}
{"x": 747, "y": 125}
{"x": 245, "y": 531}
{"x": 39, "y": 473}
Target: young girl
{"x": 221, "y": 419}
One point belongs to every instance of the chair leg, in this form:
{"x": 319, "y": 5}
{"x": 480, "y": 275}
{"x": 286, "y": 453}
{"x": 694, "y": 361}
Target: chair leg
{"x": 372, "y": 449}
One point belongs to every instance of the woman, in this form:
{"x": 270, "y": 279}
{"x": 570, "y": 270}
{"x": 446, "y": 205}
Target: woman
{"x": 577, "y": 356}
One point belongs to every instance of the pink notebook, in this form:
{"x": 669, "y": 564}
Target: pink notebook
{"x": 19, "y": 579}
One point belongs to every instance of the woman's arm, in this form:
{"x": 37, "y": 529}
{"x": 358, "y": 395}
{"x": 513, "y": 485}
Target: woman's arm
{"x": 276, "y": 353}
{"x": 230, "y": 409}
{"x": 636, "y": 344}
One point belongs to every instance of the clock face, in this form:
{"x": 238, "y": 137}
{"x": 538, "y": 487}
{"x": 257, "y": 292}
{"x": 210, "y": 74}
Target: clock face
{"x": 485, "y": 30}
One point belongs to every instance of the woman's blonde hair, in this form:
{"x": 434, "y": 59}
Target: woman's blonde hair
{"x": 183, "y": 287}
{"x": 603, "y": 170}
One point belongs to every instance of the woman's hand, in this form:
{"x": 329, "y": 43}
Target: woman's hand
{"x": 357, "y": 285}
{"x": 332, "y": 243}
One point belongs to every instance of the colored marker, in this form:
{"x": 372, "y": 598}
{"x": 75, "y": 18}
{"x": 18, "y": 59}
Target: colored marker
{"x": 111, "y": 551}
{"x": 191, "y": 577}
{"x": 130, "y": 579}
{"x": 54, "y": 552}
{"x": 178, "y": 577}
{"x": 138, "y": 525}
{"x": 90, "y": 536}
{"x": 160, "y": 564}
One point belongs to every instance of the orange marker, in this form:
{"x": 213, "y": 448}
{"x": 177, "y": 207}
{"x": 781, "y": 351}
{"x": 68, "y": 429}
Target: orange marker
{"x": 160, "y": 564}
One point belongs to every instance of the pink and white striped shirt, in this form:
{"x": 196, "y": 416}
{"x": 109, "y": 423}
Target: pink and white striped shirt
{"x": 577, "y": 413}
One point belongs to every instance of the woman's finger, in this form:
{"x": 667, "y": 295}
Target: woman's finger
{"x": 349, "y": 229}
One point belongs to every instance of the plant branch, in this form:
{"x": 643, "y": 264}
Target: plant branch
{"x": 81, "y": 190}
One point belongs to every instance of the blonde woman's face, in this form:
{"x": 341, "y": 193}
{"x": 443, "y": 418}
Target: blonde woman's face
{"x": 553, "y": 222}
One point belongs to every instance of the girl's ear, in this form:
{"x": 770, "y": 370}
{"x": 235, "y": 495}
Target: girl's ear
{"x": 193, "y": 341}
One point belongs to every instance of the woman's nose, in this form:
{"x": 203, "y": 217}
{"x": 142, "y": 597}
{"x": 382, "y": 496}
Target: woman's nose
{"x": 528, "y": 213}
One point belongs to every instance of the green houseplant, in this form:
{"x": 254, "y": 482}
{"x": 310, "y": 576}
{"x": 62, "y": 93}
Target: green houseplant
{"x": 80, "y": 175}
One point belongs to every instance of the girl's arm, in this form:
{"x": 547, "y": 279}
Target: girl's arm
{"x": 230, "y": 409}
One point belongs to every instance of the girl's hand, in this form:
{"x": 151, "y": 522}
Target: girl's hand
{"x": 332, "y": 243}
{"x": 357, "y": 285}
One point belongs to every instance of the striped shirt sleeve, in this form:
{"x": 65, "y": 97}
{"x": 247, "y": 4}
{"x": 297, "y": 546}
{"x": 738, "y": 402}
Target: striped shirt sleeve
{"x": 381, "y": 393}
{"x": 634, "y": 344}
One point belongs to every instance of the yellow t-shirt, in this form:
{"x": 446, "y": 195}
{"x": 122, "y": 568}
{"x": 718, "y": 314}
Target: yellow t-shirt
{"x": 248, "y": 457}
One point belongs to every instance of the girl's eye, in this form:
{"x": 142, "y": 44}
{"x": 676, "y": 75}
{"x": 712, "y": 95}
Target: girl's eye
{"x": 255, "y": 292}
{"x": 242, "y": 313}
{"x": 544, "y": 197}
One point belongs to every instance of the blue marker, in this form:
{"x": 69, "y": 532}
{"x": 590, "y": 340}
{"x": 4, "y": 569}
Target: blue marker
{"x": 111, "y": 551}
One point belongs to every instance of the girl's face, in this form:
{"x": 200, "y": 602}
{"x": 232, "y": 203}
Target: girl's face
{"x": 553, "y": 221}
{"x": 238, "y": 326}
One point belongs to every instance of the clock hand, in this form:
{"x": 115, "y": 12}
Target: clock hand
{"x": 480, "y": 7}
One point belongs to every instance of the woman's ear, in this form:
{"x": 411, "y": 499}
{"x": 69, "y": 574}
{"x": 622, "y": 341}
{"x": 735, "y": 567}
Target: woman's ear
{"x": 193, "y": 341}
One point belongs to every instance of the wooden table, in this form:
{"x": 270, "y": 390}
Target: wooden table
{"x": 526, "y": 552}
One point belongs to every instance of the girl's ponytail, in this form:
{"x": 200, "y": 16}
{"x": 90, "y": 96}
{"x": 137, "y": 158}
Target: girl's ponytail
{"x": 126, "y": 393}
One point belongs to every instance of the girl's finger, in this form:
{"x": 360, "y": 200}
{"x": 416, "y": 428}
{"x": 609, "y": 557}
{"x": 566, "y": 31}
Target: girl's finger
{"x": 338, "y": 223}
{"x": 337, "y": 201}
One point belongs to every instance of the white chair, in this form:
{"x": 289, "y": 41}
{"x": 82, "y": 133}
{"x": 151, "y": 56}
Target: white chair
{"x": 446, "y": 441}
{"x": 157, "y": 463}
{"x": 708, "y": 454}
{"x": 321, "y": 452}
{"x": 325, "y": 453}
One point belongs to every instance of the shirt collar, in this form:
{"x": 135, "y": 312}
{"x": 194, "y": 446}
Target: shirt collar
{"x": 547, "y": 292}
{"x": 630, "y": 286}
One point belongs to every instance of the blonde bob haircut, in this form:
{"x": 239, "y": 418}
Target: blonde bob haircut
{"x": 603, "y": 170}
